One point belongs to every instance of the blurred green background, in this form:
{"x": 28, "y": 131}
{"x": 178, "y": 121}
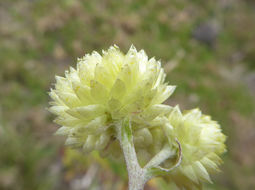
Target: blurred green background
{"x": 207, "y": 48}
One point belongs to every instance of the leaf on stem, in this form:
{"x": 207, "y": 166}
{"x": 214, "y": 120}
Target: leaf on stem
{"x": 158, "y": 170}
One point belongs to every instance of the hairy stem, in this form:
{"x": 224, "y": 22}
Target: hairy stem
{"x": 139, "y": 176}
{"x": 136, "y": 174}
{"x": 160, "y": 157}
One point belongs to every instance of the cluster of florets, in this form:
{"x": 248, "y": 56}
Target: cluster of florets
{"x": 104, "y": 89}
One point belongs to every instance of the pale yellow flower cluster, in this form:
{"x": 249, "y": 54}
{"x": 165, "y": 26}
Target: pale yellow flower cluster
{"x": 104, "y": 89}
{"x": 202, "y": 143}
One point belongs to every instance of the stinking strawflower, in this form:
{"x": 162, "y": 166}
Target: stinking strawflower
{"x": 119, "y": 96}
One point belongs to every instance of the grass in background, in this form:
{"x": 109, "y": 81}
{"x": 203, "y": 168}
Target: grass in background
{"x": 41, "y": 38}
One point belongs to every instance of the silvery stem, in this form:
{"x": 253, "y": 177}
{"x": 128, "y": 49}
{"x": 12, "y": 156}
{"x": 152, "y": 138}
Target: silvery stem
{"x": 160, "y": 157}
{"x": 136, "y": 174}
{"x": 139, "y": 176}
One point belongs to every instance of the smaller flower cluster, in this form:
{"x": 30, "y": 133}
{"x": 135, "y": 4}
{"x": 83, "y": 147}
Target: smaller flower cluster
{"x": 105, "y": 89}
{"x": 201, "y": 140}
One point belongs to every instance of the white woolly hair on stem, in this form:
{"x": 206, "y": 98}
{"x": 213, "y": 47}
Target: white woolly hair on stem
{"x": 137, "y": 175}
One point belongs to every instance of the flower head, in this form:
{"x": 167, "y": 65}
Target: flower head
{"x": 103, "y": 90}
{"x": 202, "y": 143}
{"x": 201, "y": 140}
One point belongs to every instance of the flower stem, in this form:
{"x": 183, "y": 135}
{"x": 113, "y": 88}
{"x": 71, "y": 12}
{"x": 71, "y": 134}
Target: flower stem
{"x": 139, "y": 176}
{"x": 160, "y": 157}
{"x": 136, "y": 174}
